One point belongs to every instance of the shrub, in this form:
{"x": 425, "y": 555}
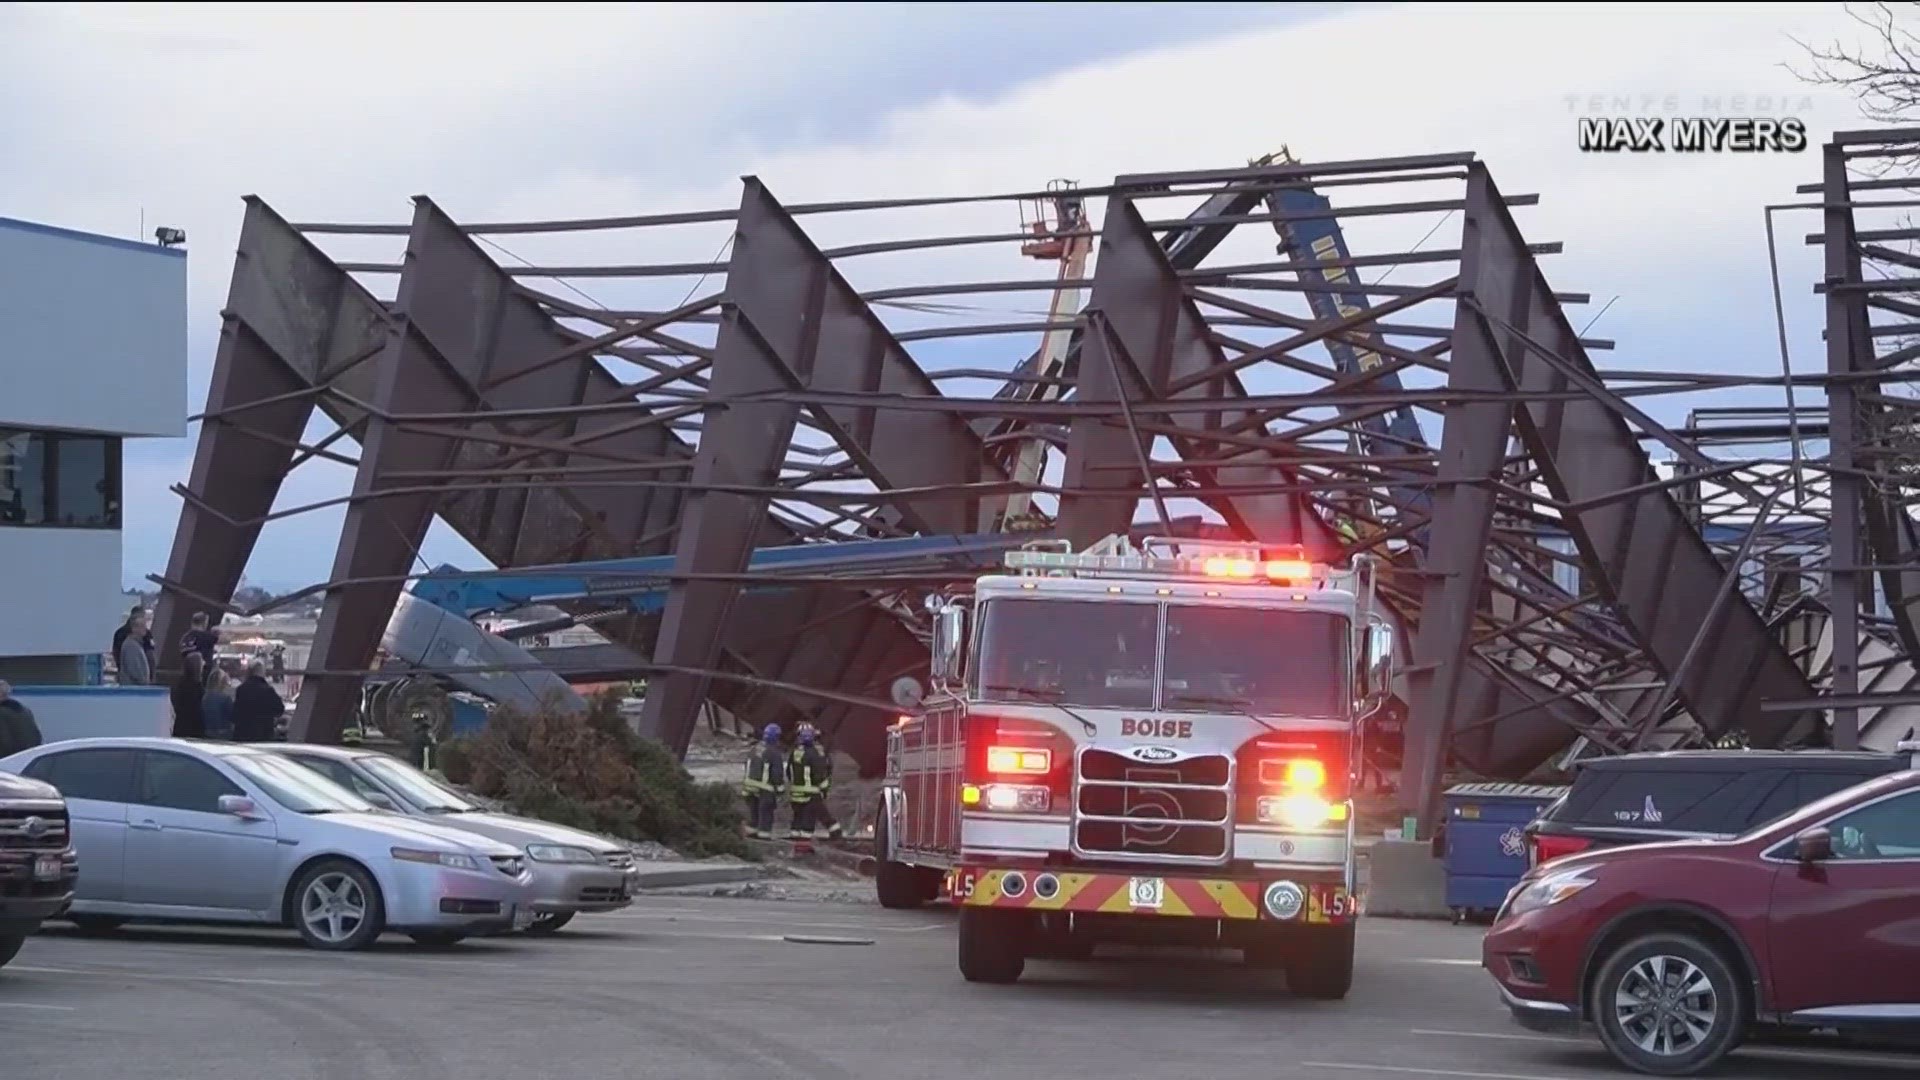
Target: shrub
{"x": 589, "y": 771}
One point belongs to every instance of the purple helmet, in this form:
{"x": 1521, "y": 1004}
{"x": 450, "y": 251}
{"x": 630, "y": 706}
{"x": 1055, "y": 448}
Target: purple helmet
{"x": 771, "y": 733}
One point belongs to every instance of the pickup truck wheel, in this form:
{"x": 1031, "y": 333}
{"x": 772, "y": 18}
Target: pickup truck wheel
{"x": 1321, "y": 964}
{"x": 993, "y": 945}
{"x": 10, "y": 948}
{"x": 900, "y": 887}
{"x": 1668, "y": 1004}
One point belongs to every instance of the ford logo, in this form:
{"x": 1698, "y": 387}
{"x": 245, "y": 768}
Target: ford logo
{"x": 1152, "y": 753}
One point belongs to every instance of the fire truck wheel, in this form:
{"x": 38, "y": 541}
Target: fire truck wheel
{"x": 1321, "y": 967}
{"x": 993, "y": 945}
{"x": 900, "y": 887}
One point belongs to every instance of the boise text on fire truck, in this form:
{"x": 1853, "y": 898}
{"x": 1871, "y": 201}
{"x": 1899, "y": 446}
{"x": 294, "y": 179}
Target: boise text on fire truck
{"x": 1153, "y": 745}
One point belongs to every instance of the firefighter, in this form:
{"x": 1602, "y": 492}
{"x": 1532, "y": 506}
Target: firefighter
{"x": 807, "y": 787}
{"x": 814, "y": 760}
{"x": 766, "y": 774}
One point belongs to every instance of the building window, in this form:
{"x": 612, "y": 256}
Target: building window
{"x": 59, "y": 481}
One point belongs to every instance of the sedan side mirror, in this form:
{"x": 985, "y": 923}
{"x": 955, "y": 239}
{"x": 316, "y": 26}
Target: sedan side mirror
{"x": 239, "y": 806}
{"x": 1813, "y": 845}
{"x": 379, "y": 799}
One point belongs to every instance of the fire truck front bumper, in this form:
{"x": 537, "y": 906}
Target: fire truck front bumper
{"x": 1276, "y": 896}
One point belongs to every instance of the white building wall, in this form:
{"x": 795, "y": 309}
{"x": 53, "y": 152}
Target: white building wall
{"x": 59, "y": 591}
{"x": 93, "y": 333}
{"x": 94, "y": 712}
{"x": 93, "y": 342}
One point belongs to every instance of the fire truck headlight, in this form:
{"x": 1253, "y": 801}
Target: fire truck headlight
{"x": 1016, "y": 798}
{"x": 1300, "y": 811}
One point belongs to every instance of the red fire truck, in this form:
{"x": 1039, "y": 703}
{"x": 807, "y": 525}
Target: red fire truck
{"x": 1151, "y": 745}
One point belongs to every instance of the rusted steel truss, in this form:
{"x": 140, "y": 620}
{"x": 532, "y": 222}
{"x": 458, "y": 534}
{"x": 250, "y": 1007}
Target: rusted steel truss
{"x": 787, "y": 374}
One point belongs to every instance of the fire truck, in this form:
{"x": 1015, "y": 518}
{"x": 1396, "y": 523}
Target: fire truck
{"x": 1151, "y": 746}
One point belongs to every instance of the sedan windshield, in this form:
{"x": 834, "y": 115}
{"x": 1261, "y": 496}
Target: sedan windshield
{"x": 295, "y": 786}
{"x": 1258, "y": 660}
{"x": 416, "y": 787}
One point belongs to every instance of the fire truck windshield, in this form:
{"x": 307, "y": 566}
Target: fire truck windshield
{"x": 1264, "y": 661}
{"x": 1075, "y": 652}
{"x": 1103, "y": 654}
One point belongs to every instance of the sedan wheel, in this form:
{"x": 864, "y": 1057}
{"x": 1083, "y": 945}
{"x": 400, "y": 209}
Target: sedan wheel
{"x": 1669, "y": 1005}
{"x": 337, "y": 906}
{"x": 550, "y": 923}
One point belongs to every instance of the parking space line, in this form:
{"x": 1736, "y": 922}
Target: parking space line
{"x": 35, "y": 1005}
{"x": 1424, "y": 1070}
{"x": 1504, "y": 1036}
{"x": 162, "y": 977}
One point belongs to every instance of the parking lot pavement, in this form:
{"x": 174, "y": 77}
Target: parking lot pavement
{"x": 696, "y": 988}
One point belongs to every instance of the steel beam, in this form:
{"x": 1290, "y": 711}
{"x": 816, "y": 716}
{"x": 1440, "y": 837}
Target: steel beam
{"x": 1158, "y": 340}
{"x": 1473, "y": 447}
{"x": 792, "y": 323}
{"x": 381, "y": 537}
{"x": 1846, "y": 321}
{"x": 1647, "y": 559}
{"x": 287, "y": 330}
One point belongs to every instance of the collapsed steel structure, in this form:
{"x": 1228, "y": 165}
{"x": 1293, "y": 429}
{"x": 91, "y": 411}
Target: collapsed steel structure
{"x": 1552, "y": 583}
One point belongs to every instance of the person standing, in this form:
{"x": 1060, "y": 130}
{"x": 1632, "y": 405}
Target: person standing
{"x": 17, "y": 729}
{"x": 216, "y": 706}
{"x": 135, "y": 657}
{"x": 189, "y": 687}
{"x": 256, "y": 706}
{"x": 279, "y": 664}
{"x": 138, "y": 629}
{"x": 766, "y": 773}
{"x": 804, "y": 783}
{"x": 126, "y": 627}
{"x": 824, "y": 777}
{"x": 200, "y": 638}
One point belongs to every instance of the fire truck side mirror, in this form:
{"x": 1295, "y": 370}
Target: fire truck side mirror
{"x": 949, "y": 633}
{"x": 1375, "y": 681}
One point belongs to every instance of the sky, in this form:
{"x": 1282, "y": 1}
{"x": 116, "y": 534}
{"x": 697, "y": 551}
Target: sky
{"x": 344, "y": 112}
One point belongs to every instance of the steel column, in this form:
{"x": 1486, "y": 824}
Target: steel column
{"x": 1844, "y": 319}
{"x": 791, "y": 322}
{"x": 1648, "y": 559}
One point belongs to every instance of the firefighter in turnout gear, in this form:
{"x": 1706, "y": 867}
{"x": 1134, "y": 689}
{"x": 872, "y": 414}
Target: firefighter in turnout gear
{"x": 812, "y": 774}
{"x": 766, "y": 775}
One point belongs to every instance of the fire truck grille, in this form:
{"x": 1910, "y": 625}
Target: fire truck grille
{"x": 1179, "y": 811}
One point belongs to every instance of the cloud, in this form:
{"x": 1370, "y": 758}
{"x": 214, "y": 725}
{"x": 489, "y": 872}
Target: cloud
{"x": 579, "y": 114}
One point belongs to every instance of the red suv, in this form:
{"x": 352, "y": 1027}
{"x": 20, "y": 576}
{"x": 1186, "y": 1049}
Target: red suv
{"x": 1675, "y": 951}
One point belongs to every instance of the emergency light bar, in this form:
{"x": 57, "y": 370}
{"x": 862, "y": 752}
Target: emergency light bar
{"x": 1218, "y": 562}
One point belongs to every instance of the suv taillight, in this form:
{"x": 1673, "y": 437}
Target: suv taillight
{"x": 1547, "y": 848}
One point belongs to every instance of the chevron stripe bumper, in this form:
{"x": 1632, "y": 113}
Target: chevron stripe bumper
{"x": 1325, "y": 903}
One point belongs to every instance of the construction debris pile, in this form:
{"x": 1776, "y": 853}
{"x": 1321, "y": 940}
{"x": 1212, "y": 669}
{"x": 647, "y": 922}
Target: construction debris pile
{"x": 589, "y": 771}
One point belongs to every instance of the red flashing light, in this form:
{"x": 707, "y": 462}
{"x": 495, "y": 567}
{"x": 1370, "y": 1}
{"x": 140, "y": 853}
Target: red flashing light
{"x": 1288, "y": 570}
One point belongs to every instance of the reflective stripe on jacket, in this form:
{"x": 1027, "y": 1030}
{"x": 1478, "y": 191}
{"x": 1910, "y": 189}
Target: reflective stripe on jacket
{"x": 763, "y": 771}
{"x": 811, "y": 773}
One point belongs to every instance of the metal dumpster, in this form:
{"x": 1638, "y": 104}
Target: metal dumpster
{"x": 1485, "y": 846}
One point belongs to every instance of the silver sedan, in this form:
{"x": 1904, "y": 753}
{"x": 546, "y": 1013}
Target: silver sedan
{"x": 573, "y": 872}
{"x": 179, "y": 830}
